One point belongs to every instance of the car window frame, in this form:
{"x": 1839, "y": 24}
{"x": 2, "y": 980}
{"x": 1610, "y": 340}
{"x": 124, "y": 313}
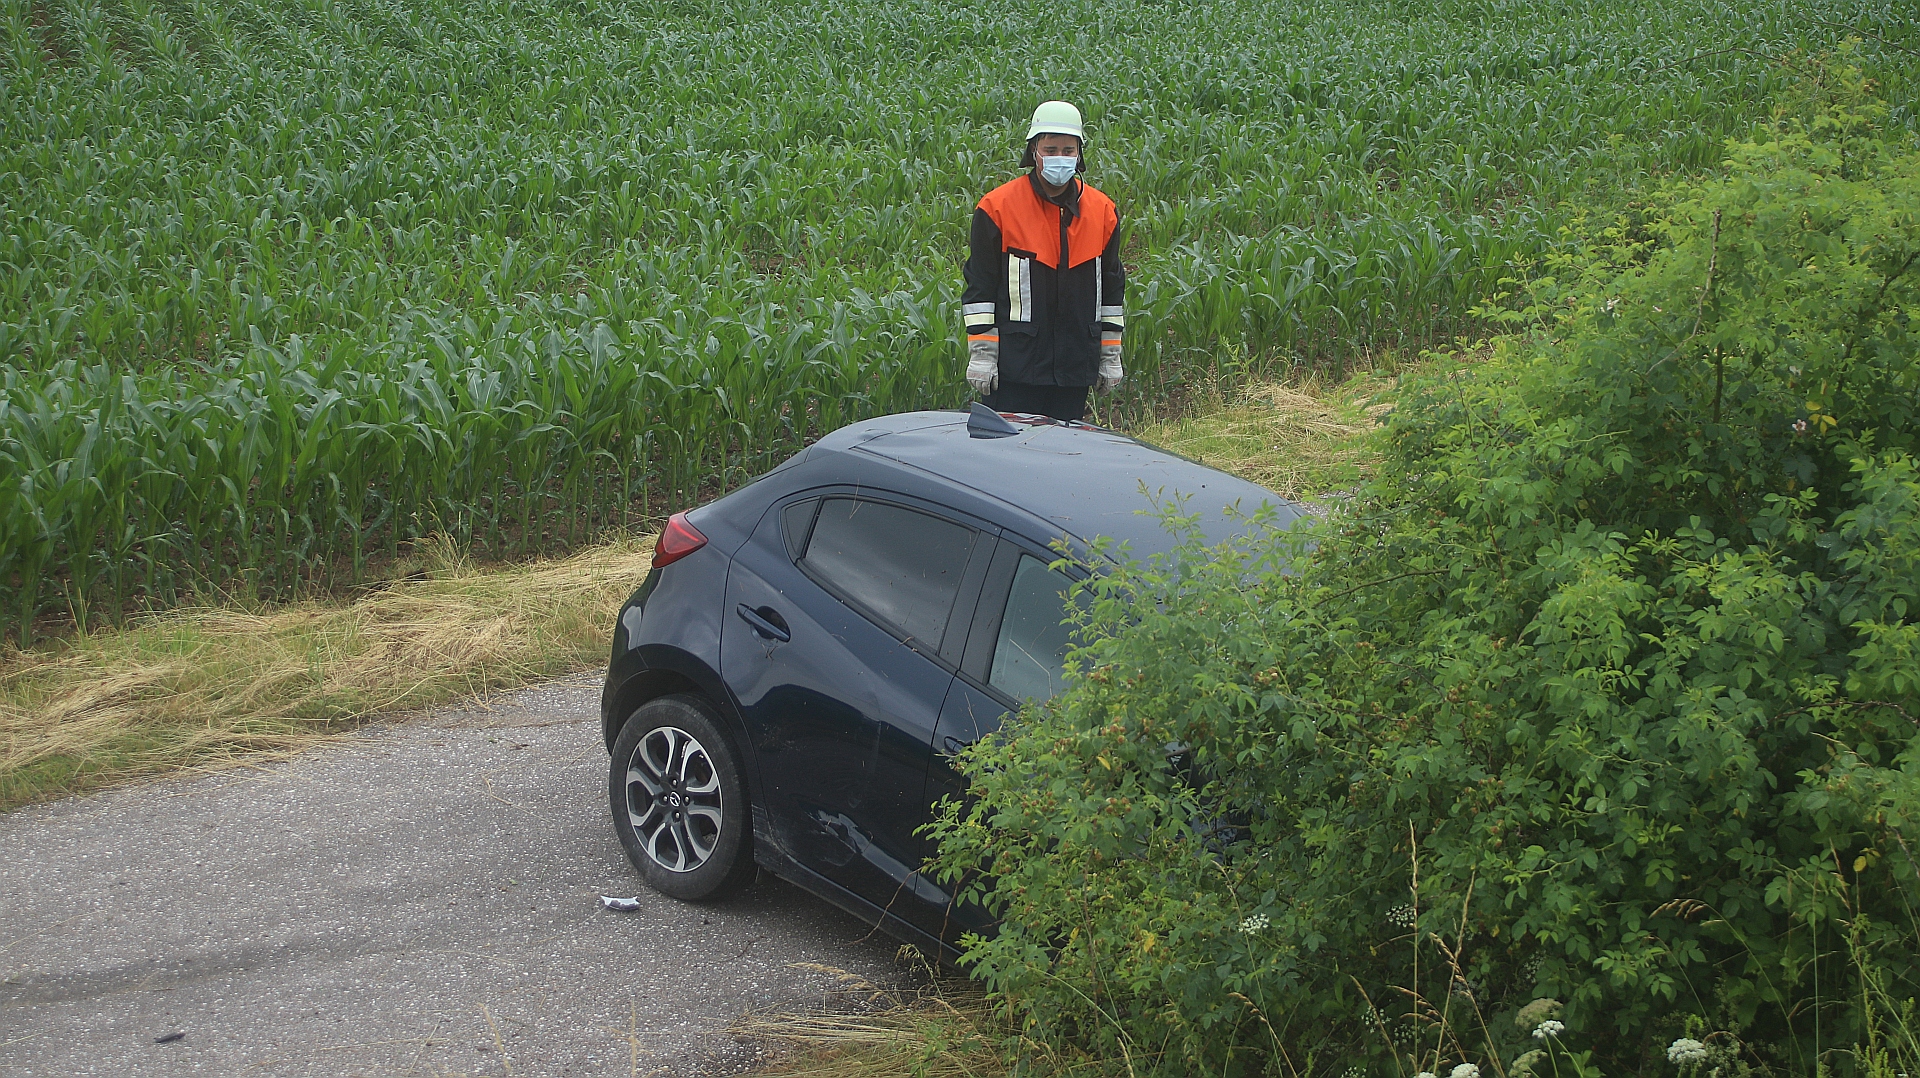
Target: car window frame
{"x": 953, "y": 641}
{"x": 991, "y": 609}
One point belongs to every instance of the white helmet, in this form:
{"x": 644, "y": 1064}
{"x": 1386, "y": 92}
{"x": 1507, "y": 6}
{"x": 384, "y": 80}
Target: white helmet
{"x": 1056, "y": 118}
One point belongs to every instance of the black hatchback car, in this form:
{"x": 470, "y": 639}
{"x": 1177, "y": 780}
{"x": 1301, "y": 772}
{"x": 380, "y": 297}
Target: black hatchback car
{"x": 787, "y": 685}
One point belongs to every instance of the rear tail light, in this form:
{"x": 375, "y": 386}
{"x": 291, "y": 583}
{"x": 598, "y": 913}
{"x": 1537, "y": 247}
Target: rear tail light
{"x": 677, "y": 540}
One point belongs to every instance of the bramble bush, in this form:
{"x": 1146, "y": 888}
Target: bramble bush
{"x": 1581, "y": 741}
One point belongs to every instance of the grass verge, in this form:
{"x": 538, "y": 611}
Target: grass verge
{"x": 1300, "y": 441}
{"x": 204, "y": 688}
{"x": 210, "y": 687}
{"x": 943, "y": 1028}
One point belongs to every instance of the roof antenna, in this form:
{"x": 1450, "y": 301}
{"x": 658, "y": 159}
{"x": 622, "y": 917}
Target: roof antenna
{"x": 984, "y": 422}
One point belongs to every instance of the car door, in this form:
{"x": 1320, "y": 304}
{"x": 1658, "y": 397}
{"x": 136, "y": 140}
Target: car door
{"x": 846, "y": 614}
{"x": 1016, "y": 653}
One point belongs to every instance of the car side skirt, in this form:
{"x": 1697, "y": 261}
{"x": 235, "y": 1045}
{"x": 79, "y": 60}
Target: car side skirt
{"x": 820, "y": 887}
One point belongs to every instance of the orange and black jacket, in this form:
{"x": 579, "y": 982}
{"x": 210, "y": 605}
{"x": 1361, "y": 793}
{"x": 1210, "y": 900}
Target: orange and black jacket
{"x": 1044, "y": 277}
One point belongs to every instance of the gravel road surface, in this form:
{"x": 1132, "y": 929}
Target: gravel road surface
{"x": 421, "y": 899}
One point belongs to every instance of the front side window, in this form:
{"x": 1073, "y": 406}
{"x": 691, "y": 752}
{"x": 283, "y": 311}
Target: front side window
{"x": 1031, "y": 651}
{"x": 900, "y": 566}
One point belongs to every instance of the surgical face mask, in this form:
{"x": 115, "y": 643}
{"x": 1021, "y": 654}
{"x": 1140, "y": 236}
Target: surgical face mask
{"x": 1058, "y": 170}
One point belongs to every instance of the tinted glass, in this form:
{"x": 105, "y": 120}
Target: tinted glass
{"x": 903, "y": 566}
{"x": 797, "y": 525}
{"x": 1032, "y": 648}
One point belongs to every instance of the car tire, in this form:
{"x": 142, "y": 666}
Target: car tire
{"x": 679, "y": 801}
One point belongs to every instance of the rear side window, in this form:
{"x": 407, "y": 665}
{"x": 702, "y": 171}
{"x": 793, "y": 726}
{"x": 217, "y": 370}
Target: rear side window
{"x": 900, "y": 566}
{"x": 797, "y": 525}
{"x": 1031, "y": 651}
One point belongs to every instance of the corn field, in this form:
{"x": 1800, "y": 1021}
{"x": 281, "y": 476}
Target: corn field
{"x": 287, "y": 284}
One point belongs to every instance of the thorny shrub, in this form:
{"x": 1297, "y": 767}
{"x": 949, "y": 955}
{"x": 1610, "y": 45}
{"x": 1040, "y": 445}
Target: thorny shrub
{"x": 1602, "y": 699}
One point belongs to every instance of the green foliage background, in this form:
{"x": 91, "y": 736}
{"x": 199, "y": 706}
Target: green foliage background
{"x": 283, "y": 282}
{"x": 1604, "y": 692}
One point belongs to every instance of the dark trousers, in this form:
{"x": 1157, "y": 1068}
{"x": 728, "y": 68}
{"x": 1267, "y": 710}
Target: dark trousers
{"x": 1059, "y": 402}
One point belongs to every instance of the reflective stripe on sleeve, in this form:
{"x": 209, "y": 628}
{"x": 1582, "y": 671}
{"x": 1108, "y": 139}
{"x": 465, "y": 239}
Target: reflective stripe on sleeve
{"x": 977, "y": 314}
{"x": 1113, "y": 316}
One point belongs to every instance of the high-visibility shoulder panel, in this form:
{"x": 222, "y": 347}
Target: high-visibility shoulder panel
{"x": 1028, "y": 222}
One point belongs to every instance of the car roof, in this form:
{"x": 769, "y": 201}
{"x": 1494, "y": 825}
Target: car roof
{"x": 1085, "y": 481}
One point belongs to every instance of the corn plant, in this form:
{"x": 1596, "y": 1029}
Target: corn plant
{"x": 290, "y": 283}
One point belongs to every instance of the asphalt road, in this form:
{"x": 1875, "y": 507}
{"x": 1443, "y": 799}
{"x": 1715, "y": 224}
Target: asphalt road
{"x": 421, "y": 899}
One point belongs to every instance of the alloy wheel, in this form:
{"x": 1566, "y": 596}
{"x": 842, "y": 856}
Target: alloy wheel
{"x": 673, "y": 799}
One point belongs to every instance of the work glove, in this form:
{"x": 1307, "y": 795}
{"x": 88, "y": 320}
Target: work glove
{"x": 983, "y": 365}
{"x": 1111, "y": 373}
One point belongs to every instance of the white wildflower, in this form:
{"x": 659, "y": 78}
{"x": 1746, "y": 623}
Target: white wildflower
{"x": 1552, "y": 1027}
{"x": 1254, "y": 924}
{"x": 1686, "y": 1050}
{"x": 1465, "y": 1070}
{"x": 1426, "y": 1074}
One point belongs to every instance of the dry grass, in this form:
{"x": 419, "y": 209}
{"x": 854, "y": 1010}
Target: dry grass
{"x": 1300, "y": 441}
{"x": 942, "y": 1029}
{"x": 207, "y": 687}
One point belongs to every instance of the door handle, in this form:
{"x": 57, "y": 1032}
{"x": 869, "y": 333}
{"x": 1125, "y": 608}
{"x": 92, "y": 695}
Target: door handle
{"x": 951, "y": 746}
{"x": 765, "y": 622}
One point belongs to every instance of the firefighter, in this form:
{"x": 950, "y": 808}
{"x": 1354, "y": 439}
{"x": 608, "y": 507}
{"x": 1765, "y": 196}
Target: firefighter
{"x": 1044, "y": 281}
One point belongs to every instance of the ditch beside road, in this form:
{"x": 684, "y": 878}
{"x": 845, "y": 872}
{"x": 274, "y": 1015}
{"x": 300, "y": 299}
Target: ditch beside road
{"x": 422, "y": 898}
